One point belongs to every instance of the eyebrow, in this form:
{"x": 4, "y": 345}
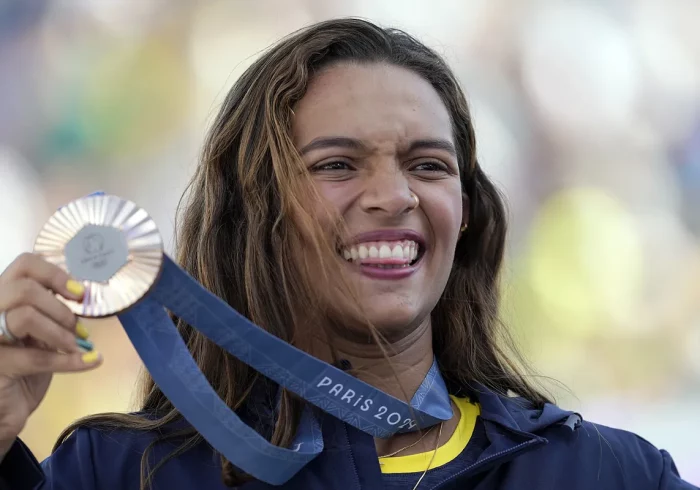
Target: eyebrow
{"x": 432, "y": 144}
{"x": 333, "y": 142}
{"x": 355, "y": 144}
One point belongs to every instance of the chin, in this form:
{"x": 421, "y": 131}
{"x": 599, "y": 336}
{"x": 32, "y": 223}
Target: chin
{"x": 393, "y": 318}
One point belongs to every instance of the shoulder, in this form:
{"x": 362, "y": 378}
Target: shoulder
{"x": 615, "y": 446}
{"x": 615, "y": 458}
{"x": 569, "y": 452}
{"x": 104, "y": 458}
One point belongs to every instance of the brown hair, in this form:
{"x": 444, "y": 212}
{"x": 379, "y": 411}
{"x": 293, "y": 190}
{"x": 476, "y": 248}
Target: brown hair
{"x": 235, "y": 226}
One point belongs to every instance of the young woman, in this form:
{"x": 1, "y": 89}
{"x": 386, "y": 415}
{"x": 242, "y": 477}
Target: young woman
{"x": 339, "y": 205}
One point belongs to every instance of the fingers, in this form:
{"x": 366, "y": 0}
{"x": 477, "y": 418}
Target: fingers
{"x": 29, "y": 292}
{"x": 46, "y": 327}
{"x": 26, "y": 321}
{"x": 26, "y": 361}
{"x": 27, "y": 296}
{"x": 50, "y": 276}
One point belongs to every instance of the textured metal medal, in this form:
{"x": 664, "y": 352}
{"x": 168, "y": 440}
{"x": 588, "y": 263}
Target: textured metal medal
{"x": 109, "y": 244}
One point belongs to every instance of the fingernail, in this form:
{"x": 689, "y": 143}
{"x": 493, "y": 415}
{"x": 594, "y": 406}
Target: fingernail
{"x": 81, "y": 331}
{"x": 85, "y": 344}
{"x": 75, "y": 287}
{"x": 91, "y": 357}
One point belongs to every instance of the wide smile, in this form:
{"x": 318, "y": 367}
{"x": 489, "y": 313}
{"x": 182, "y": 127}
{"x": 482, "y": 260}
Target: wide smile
{"x": 384, "y": 259}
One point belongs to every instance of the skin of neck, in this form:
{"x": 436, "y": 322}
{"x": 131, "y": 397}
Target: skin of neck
{"x": 398, "y": 370}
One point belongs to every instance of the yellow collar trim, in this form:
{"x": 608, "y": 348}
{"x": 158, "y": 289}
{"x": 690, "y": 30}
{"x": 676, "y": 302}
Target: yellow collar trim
{"x": 414, "y": 463}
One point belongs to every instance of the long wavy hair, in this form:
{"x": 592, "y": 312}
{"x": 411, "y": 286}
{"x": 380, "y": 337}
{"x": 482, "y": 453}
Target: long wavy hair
{"x": 244, "y": 206}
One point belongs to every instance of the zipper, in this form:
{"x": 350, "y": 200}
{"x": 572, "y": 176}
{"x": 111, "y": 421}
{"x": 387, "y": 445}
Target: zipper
{"x": 515, "y": 449}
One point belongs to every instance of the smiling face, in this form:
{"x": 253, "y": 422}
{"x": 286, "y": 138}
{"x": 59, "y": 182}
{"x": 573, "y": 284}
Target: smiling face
{"x": 378, "y": 142}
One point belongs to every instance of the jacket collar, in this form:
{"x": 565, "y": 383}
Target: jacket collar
{"x": 513, "y": 426}
{"x": 520, "y": 415}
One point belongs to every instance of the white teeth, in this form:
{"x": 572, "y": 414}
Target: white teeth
{"x": 384, "y": 252}
{"x": 402, "y": 250}
{"x": 364, "y": 253}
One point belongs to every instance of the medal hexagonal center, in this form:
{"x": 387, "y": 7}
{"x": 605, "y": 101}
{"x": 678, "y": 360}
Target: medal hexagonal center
{"x": 96, "y": 253}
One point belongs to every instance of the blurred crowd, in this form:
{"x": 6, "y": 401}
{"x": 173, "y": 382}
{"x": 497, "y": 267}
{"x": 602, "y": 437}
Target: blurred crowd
{"x": 587, "y": 116}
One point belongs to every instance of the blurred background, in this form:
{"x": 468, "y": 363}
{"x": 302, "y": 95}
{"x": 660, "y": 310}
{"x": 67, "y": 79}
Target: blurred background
{"x": 587, "y": 114}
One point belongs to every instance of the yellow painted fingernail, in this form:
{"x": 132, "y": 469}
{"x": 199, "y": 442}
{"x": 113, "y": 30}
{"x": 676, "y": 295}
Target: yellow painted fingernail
{"x": 90, "y": 357}
{"x": 81, "y": 331}
{"x": 75, "y": 287}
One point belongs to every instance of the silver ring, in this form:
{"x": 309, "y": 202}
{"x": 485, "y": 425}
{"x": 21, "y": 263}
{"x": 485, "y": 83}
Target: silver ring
{"x": 4, "y": 331}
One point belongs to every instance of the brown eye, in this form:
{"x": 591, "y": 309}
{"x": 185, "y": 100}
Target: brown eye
{"x": 430, "y": 167}
{"x": 336, "y": 165}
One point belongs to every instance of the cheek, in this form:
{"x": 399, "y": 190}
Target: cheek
{"x": 445, "y": 216}
{"x": 335, "y": 199}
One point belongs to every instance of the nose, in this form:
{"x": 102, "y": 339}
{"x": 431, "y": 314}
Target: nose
{"x": 387, "y": 192}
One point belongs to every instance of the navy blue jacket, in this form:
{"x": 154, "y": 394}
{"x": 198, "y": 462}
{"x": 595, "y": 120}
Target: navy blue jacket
{"x": 527, "y": 448}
